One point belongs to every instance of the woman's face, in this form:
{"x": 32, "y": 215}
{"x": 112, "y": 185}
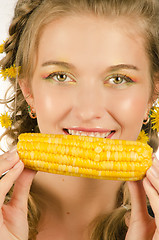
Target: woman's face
{"x": 91, "y": 78}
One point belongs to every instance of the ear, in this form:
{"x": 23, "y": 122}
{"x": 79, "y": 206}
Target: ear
{"x": 127, "y": 218}
{"x": 27, "y": 92}
{"x": 147, "y": 111}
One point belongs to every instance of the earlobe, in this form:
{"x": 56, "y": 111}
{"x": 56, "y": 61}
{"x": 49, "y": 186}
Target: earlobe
{"x": 127, "y": 218}
{"x": 147, "y": 113}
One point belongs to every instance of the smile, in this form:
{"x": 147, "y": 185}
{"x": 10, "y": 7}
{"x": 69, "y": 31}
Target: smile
{"x": 107, "y": 134}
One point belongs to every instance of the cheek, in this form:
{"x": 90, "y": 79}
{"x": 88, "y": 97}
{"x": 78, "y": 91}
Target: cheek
{"x": 131, "y": 113}
{"x": 51, "y": 106}
{"x": 133, "y": 108}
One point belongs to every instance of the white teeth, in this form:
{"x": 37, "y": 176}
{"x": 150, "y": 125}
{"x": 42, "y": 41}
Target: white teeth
{"x": 73, "y": 132}
{"x": 99, "y": 135}
{"x": 90, "y": 134}
{"x": 83, "y": 134}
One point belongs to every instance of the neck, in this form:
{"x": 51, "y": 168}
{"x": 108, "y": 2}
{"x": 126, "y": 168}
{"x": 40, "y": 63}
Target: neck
{"x": 69, "y": 192}
{"x": 72, "y": 203}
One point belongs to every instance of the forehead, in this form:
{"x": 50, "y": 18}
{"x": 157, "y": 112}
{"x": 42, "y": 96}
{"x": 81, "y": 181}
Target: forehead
{"x": 77, "y": 38}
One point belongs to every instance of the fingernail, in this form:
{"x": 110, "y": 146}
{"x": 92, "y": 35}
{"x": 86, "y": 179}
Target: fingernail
{"x": 12, "y": 155}
{"x": 17, "y": 165}
{"x": 152, "y": 170}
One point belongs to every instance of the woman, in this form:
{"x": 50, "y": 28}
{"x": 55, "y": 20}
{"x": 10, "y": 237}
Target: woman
{"x": 86, "y": 68}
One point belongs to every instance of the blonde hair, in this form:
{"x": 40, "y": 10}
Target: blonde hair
{"x": 30, "y": 18}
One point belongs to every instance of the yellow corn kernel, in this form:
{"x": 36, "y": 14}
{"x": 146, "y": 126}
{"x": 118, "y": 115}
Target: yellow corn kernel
{"x": 85, "y": 156}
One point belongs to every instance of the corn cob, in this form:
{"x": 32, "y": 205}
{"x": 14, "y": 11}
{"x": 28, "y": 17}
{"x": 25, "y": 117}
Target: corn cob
{"x": 85, "y": 156}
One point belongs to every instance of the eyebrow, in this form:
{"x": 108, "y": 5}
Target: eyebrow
{"x": 59, "y": 63}
{"x": 109, "y": 69}
{"x": 122, "y": 66}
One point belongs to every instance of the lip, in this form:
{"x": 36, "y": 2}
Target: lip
{"x": 91, "y": 130}
{"x": 99, "y": 130}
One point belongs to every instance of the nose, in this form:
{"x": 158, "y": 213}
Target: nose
{"x": 89, "y": 104}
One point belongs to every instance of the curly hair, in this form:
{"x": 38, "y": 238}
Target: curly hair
{"x": 30, "y": 18}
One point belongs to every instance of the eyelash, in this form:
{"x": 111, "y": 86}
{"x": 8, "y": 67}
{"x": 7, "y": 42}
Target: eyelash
{"x": 125, "y": 78}
{"x": 56, "y": 74}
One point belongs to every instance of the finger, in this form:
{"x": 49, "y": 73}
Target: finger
{"x": 151, "y": 193}
{"x": 153, "y": 198}
{"x": 22, "y": 188}
{"x": 152, "y": 189}
{"x": 138, "y": 200}
{"x": 8, "y": 180}
{"x": 153, "y": 173}
{"x": 8, "y": 160}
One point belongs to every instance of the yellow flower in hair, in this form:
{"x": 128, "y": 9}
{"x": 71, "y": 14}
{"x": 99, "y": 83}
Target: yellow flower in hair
{"x": 1, "y": 48}
{"x": 143, "y": 137}
{"x": 3, "y": 73}
{"x": 5, "y": 120}
{"x": 155, "y": 118}
{"x": 11, "y": 72}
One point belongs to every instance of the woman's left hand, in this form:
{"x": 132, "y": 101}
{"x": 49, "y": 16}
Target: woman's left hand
{"x": 141, "y": 225}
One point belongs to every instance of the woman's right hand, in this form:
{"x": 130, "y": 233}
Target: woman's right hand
{"x": 13, "y": 215}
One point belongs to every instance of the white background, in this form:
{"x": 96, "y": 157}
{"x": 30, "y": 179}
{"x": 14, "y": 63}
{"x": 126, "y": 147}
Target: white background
{"x": 6, "y": 14}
